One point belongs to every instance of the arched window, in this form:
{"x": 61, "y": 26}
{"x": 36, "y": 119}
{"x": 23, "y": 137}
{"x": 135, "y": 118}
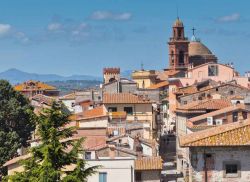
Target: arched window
{"x": 111, "y": 79}
{"x": 179, "y": 34}
{"x": 172, "y": 57}
{"x": 181, "y": 58}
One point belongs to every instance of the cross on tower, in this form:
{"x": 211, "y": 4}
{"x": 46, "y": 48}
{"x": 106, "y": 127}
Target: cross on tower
{"x": 193, "y": 29}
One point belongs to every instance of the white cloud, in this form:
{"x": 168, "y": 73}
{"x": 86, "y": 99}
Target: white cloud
{"x": 108, "y": 15}
{"x": 4, "y": 29}
{"x": 54, "y": 26}
{"x": 229, "y": 18}
{"x": 123, "y": 16}
{"x": 83, "y": 26}
{"x": 21, "y": 37}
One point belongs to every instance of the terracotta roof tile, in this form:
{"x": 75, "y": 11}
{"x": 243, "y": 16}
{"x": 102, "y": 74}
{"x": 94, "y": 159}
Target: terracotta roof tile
{"x": 124, "y": 98}
{"x": 99, "y": 111}
{"x": 234, "y": 134}
{"x": 159, "y": 85}
{"x": 222, "y": 85}
{"x": 70, "y": 96}
{"x": 213, "y": 104}
{"x": 43, "y": 99}
{"x": 148, "y": 163}
{"x": 94, "y": 142}
{"x": 17, "y": 159}
{"x": 187, "y": 90}
{"x": 33, "y": 85}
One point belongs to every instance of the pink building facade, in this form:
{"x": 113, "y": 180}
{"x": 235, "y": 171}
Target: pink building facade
{"x": 215, "y": 71}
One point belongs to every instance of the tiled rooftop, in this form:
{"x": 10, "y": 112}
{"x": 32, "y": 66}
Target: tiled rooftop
{"x": 159, "y": 85}
{"x": 148, "y": 163}
{"x": 187, "y": 90}
{"x": 234, "y": 134}
{"x": 222, "y": 85}
{"x": 99, "y": 111}
{"x": 70, "y": 96}
{"x": 33, "y": 85}
{"x": 218, "y": 112}
{"x": 43, "y": 99}
{"x": 124, "y": 98}
{"x": 213, "y": 104}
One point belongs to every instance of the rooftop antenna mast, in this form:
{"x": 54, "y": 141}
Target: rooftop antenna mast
{"x": 193, "y": 29}
{"x": 142, "y": 66}
{"x": 177, "y": 9}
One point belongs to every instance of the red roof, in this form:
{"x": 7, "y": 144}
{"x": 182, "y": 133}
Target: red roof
{"x": 124, "y": 98}
{"x": 99, "y": 111}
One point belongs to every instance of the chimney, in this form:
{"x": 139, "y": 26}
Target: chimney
{"x": 112, "y": 153}
{"x": 138, "y": 147}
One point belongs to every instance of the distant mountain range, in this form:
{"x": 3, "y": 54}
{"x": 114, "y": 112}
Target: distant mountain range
{"x": 15, "y": 76}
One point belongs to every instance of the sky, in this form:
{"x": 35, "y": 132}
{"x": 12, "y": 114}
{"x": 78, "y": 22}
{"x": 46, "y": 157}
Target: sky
{"x": 69, "y": 37}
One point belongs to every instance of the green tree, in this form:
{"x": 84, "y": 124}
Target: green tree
{"x": 56, "y": 150}
{"x": 16, "y": 121}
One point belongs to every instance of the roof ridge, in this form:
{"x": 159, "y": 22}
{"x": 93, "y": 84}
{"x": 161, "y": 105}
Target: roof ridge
{"x": 214, "y": 131}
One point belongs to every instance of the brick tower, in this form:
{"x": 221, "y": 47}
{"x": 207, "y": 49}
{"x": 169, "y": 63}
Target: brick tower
{"x": 111, "y": 74}
{"x": 178, "y": 47}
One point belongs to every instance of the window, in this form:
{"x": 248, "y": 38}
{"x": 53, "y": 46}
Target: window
{"x": 179, "y": 33}
{"x": 87, "y": 155}
{"x": 231, "y": 92}
{"x": 181, "y": 58}
{"x": 111, "y": 79}
{"x": 128, "y": 110}
{"x": 212, "y": 70}
{"x": 138, "y": 176}
{"x": 244, "y": 114}
{"x": 102, "y": 177}
{"x": 172, "y": 57}
{"x": 112, "y": 109}
{"x": 231, "y": 169}
{"x": 185, "y": 102}
{"x": 235, "y": 116}
{"x": 143, "y": 84}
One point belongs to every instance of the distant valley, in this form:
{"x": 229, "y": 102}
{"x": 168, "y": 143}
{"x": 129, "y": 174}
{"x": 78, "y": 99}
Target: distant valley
{"x": 65, "y": 84}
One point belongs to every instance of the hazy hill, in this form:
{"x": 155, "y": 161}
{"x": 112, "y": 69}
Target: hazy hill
{"x": 16, "y": 76}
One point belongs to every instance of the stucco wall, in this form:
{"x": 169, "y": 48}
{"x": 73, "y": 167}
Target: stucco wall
{"x": 94, "y": 123}
{"x": 117, "y": 170}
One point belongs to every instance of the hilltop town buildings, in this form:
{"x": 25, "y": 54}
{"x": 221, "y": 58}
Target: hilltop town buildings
{"x": 31, "y": 88}
{"x": 201, "y": 101}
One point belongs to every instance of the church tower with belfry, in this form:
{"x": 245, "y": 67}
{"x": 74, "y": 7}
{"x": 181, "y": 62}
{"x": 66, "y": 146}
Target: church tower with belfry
{"x": 178, "y": 47}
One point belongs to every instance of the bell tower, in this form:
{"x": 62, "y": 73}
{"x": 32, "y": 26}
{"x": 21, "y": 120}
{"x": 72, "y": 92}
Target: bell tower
{"x": 178, "y": 47}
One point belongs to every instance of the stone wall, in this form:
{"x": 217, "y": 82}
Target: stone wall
{"x": 215, "y": 163}
{"x": 150, "y": 176}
